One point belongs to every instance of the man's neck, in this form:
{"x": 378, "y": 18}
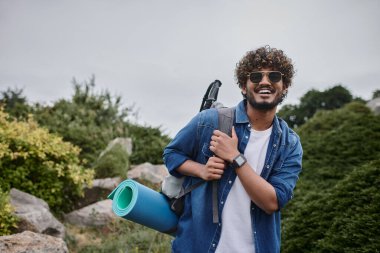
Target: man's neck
{"x": 260, "y": 119}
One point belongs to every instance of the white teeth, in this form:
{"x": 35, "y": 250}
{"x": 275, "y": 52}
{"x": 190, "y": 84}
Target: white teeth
{"x": 264, "y": 92}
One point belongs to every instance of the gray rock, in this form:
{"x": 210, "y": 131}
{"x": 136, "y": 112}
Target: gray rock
{"x": 126, "y": 143}
{"x": 97, "y": 214}
{"x": 34, "y": 214}
{"x": 147, "y": 171}
{"x": 100, "y": 189}
{"x": 30, "y": 242}
{"x": 106, "y": 183}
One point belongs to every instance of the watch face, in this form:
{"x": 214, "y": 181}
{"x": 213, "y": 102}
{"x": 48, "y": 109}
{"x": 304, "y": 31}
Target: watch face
{"x": 240, "y": 160}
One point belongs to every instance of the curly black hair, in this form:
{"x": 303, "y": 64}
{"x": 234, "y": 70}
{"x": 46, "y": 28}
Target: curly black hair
{"x": 264, "y": 57}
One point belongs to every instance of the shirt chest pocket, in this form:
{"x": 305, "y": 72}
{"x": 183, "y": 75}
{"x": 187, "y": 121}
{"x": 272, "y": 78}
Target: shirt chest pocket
{"x": 206, "y": 152}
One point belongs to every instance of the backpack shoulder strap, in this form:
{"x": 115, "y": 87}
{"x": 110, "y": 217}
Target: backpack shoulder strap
{"x": 225, "y": 122}
{"x": 226, "y": 119}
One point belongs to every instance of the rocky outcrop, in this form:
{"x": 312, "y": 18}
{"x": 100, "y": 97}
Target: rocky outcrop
{"x": 147, "y": 171}
{"x": 97, "y": 214}
{"x": 34, "y": 214}
{"x": 32, "y": 243}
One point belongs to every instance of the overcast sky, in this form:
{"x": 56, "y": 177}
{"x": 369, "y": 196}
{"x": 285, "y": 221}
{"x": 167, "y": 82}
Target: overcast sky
{"x": 161, "y": 55}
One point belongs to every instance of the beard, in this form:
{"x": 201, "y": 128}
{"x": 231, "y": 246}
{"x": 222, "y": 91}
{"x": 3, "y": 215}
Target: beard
{"x": 265, "y": 106}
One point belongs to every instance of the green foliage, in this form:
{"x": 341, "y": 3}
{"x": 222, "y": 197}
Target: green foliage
{"x": 34, "y": 161}
{"x": 335, "y": 142}
{"x": 148, "y": 144}
{"x": 8, "y": 222}
{"x": 357, "y": 227}
{"x": 88, "y": 120}
{"x": 312, "y": 101}
{"x": 114, "y": 162}
{"x": 345, "y": 218}
{"x": 336, "y": 205}
{"x": 15, "y": 104}
{"x": 121, "y": 236}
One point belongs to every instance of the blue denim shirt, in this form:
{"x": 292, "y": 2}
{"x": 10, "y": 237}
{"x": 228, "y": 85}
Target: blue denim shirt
{"x": 196, "y": 230}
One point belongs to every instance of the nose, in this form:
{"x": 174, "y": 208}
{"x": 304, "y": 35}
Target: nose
{"x": 265, "y": 79}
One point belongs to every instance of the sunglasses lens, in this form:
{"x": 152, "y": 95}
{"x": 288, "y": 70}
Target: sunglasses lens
{"x": 256, "y": 77}
{"x": 274, "y": 77}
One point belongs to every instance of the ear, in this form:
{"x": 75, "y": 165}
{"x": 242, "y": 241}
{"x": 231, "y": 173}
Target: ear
{"x": 285, "y": 87}
{"x": 285, "y": 92}
{"x": 244, "y": 90}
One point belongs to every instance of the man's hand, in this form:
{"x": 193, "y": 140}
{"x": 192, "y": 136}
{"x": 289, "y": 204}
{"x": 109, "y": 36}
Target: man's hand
{"x": 213, "y": 169}
{"x": 224, "y": 146}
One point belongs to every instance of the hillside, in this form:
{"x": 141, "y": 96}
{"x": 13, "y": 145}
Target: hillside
{"x": 336, "y": 206}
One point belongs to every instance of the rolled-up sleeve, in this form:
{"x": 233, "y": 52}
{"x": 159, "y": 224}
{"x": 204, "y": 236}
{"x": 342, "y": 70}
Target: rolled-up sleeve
{"x": 285, "y": 178}
{"x": 182, "y": 147}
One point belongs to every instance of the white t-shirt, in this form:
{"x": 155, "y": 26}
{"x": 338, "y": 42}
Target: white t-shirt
{"x": 236, "y": 216}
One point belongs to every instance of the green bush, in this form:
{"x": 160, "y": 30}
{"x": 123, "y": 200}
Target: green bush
{"x": 345, "y": 218}
{"x": 88, "y": 120}
{"x": 114, "y": 162}
{"x": 335, "y": 183}
{"x": 8, "y": 222}
{"x": 34, "y": 161}
{"x": 148, "y": 144}
{"x": 335, "y": 142}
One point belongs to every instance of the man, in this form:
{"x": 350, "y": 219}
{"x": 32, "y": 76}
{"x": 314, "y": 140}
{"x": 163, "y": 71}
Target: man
{"x": 256, "y": 168}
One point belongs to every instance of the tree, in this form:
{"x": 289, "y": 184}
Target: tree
{"x": 15, "y": 103}
{"x": 89, "y": 119}
{"x": 312, "y": 101}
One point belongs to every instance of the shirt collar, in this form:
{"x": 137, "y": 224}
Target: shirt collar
{"x": 241, "y": 113}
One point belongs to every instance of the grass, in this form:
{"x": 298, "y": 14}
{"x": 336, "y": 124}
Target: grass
{"x": 119, "y": 236}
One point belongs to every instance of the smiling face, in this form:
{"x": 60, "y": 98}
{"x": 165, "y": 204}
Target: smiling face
{"x": 264, "y": 95}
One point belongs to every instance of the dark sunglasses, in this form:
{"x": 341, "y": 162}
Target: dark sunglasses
{"x": 257, "y": 76}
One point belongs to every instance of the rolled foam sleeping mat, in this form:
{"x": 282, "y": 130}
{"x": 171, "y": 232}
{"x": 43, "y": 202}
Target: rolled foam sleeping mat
{"x": 138, "y": 203}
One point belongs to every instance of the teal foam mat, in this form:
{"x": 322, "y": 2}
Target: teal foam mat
{"x": 138, "y": 203}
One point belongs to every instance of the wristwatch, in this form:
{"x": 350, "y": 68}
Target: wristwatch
{"x": 238, "y": 161}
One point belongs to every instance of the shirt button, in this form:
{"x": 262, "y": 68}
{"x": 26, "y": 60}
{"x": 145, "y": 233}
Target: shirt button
{"x": 268, "y": 166}
{"x": 249, "y": 125}
{"x": 220, "y": 224}
{"x": 246, "y": 136}
{"x": 230, "y": 182}
{"x": 274, "y": 145}
{"x": 221, "y": 202}
{"x": 213, "y": 245}
{"x": 255, "y": 232}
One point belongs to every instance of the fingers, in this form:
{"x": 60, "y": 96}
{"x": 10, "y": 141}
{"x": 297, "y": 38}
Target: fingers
{"x": 216, "y": 171}
{"x": 213, "y": 175}
{"x": 216, "y": 163}
{"x": 214, "y": 168}
{"x": 218, "y": 133}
